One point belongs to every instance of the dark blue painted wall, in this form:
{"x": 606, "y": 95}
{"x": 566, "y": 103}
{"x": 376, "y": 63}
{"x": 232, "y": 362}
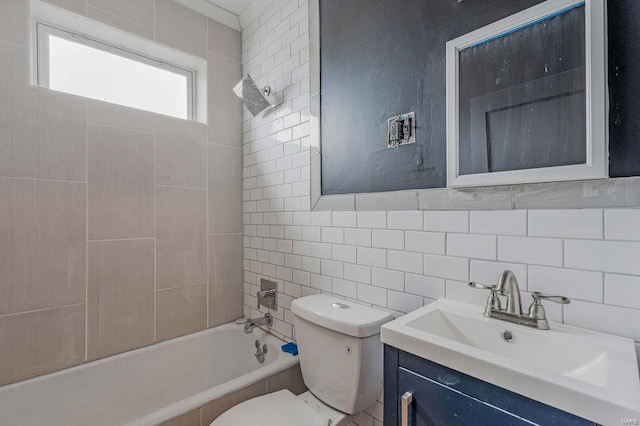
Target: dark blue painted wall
{"x": 380, "y": 58}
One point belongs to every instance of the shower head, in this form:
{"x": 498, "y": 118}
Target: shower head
{"x": 255, "y": 99}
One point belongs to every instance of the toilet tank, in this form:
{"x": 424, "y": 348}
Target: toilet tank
{"x": 340, "y": 350}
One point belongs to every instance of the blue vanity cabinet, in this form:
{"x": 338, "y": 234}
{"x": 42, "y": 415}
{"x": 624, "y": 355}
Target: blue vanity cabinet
{"x": 445, "y": 397}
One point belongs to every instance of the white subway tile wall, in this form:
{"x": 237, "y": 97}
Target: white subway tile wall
{"x": 401, "y": 260}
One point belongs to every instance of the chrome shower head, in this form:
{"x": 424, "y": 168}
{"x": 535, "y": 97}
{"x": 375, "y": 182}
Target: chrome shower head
{"x": 255, "y": 99}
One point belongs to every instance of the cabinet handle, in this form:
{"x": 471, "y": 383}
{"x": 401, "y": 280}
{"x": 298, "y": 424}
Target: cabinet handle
{"x": 407, "y": 398}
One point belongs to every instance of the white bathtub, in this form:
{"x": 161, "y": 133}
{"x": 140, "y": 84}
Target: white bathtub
{"x": 145, "y": 386}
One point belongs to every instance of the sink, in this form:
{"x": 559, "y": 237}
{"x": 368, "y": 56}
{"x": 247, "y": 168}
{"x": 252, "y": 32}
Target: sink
{"x": 584, "y": 361}
{"x": 586, "y": 373}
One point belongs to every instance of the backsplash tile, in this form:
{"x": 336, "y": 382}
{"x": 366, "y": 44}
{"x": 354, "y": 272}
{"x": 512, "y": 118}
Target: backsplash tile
{"x": 608, "y": 256}
{"x": 622, "y": 290}
{"x": 606, "y": 318}
{"x": 576, "y": 284}
{"x": 472, "y": 246}
{"x": 505, "y": 222}
{"x": 537, "y": 251}
{"x": 616, "y": 223}
{"x": 566, "y": 223}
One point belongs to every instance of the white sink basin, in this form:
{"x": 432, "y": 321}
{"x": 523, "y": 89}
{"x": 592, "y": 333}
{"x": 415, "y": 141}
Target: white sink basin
{"x": 590, "y": 374}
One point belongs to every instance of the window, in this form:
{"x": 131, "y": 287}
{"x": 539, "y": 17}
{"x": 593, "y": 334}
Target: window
{"x": 118, "y": 71}
{"x": 526, "y": 99}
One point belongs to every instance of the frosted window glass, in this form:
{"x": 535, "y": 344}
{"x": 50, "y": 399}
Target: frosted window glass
{"x": 85, "y": 71}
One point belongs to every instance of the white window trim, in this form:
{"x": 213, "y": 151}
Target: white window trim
{"x": 596, "y": 166}
{"x": 47, "y": 19}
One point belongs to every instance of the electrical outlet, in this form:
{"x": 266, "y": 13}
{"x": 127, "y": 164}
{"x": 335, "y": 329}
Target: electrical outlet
{"x": 401, "y": 129}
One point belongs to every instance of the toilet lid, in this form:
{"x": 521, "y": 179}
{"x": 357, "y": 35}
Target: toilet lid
{"x": 280, "y": 408}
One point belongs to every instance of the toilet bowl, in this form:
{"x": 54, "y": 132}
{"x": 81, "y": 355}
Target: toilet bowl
{"x": 282, "y": 408}
{"x": 341, "y": 361}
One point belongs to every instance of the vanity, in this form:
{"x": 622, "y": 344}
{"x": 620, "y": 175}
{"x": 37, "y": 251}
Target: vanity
{"x": 451, "y": 363}
{"x": 436, "y": 395}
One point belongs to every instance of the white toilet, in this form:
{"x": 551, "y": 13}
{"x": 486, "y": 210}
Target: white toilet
{"x": 341, "y": 359}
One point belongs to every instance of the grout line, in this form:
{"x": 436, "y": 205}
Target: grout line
{"x": 224, "y": 57}
{"x": 122, "y": 128}
{"x": 41, "y": 310}
{"x": 121, "y": 239}
{"x": 239, "y": 148}
{"x": 43, "y": 180}
{"x": 12, "y": 43}
{"x": 207, "y": 38}
{"x": 155, "y": 234}
{"x": 154, "y": 20}
{"x": 86, "y": 247}
{"x": 181, "y": 187}
{"x": 208, "y": 225}
{"x": 180, "y": 286}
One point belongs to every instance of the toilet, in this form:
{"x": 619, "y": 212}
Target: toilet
{"x": 341, "y": 360}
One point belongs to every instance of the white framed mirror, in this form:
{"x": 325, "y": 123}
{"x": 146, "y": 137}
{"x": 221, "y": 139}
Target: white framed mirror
{"x": 526, "y": 98}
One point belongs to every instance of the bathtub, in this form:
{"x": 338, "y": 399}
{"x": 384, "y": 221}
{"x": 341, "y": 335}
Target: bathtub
{"x": 146, "y": 386}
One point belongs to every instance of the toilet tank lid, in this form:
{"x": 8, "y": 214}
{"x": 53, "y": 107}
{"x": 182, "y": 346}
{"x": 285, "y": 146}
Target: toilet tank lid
{"x": 340, "y": 315}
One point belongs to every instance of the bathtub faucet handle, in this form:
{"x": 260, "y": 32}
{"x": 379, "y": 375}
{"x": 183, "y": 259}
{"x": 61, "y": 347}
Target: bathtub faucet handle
{"x": 267, "y": 298}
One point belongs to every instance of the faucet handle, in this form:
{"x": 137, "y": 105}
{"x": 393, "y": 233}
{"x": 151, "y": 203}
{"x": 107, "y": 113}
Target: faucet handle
{"x": 537, "y": 296}
{"x": 493, "y": 302}
{"x": 537, "y": 312}
{"x": 482, "y": 286}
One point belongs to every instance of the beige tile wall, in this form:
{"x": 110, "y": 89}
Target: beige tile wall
{"x": 119, "y": 228}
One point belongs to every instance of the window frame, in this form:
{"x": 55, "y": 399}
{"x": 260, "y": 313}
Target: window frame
{"x": 114, "y": 40}
{"x": 43, "y": 31}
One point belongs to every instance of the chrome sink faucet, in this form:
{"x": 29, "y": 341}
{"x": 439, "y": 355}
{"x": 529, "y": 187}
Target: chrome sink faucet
{"x": 267, "y": 320}
{"x": 508, "y": 286}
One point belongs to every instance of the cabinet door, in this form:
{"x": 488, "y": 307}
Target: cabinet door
{"x": 437, "y": 405}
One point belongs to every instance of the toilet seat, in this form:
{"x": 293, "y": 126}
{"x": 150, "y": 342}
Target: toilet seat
{"x": 280, "y": 408}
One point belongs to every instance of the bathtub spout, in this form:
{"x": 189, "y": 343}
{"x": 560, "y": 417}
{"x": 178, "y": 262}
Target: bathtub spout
{"x": 258, "y": 322}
